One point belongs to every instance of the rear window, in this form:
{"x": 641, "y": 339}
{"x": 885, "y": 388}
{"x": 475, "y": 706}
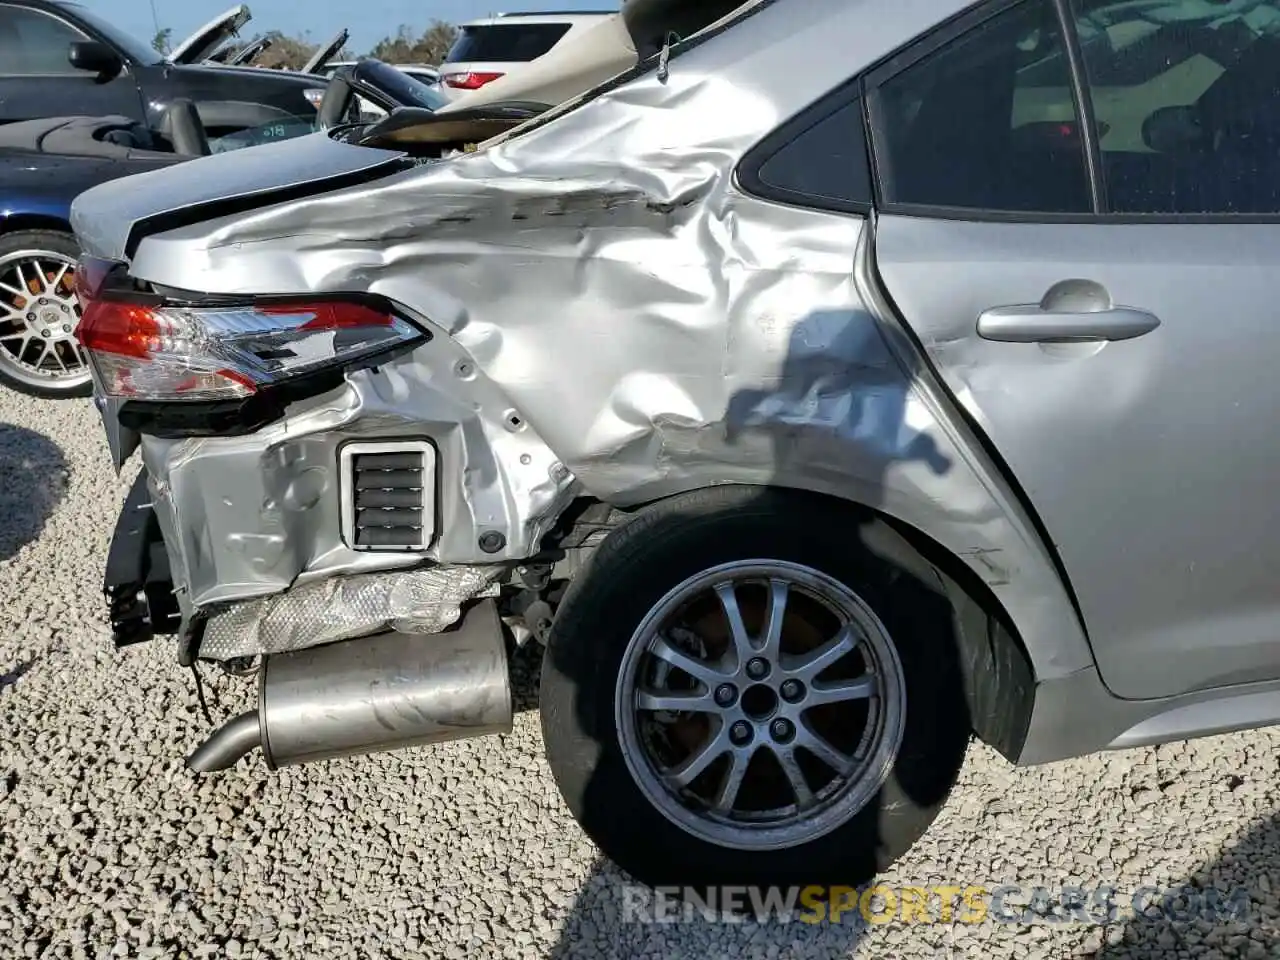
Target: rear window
{"x": 505, "y": 43}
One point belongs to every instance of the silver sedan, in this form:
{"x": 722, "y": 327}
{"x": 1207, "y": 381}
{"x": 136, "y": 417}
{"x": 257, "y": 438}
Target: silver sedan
{"x": 823, "y": 382}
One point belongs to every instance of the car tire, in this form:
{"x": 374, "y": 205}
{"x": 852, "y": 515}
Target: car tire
{"x": 584, "y": 702}
{"x": 47, "y": 362}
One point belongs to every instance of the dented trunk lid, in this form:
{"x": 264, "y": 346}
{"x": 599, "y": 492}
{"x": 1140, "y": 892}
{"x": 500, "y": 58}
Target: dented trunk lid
{"x": 112, "y": 219}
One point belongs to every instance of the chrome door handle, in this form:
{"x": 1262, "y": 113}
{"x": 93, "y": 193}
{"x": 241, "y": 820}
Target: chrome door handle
{"x": 1034, "y": 324}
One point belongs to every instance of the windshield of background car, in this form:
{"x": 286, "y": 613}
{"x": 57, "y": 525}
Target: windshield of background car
{"x": 505, "y": 43}
{"x": 130, "y": 46}
{"x": 287, "y": 129}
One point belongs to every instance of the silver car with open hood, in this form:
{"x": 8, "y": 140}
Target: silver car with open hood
{"x": 822, "y": 382}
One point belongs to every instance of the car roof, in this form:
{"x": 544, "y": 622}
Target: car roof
{"x": 540, "y": 16}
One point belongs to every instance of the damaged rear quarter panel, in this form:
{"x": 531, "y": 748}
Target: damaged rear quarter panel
{"x": 657, "y": 328}
{"x": 250, "y": 516}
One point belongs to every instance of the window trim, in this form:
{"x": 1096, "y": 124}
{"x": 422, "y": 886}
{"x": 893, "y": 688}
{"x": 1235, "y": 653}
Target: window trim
{"x": 1084, "y": 106}
{"x": 747, "y": 171}
{"x": 918, "y": 48}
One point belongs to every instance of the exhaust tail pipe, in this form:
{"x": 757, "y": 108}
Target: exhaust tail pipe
{"x": 372, "y": 694}
{"x": 233, "y": 740}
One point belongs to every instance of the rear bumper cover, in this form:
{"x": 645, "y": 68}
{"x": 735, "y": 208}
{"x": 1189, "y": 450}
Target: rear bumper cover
{"x": 137, "y": 584}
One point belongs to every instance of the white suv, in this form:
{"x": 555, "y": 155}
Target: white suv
{"x": 492, "y": 47}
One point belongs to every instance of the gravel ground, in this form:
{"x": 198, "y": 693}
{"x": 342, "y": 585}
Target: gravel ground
{"x": 108, "y": 847}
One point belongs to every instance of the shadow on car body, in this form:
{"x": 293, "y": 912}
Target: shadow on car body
{"x": 839, "y": 377}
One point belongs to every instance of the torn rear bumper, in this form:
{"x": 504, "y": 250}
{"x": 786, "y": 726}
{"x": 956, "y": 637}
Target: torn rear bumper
{"x": 138, "y": 584}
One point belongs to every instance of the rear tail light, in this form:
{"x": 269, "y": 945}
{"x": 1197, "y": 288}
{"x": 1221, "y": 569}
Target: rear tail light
{"x": 145, "y": 351}
{"x": 471, "y": 80}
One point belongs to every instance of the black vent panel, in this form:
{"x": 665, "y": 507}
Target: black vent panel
{"x": 390, "y": 502}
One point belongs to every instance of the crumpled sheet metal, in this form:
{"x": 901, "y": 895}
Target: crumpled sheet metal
{"x": 254, "y": 515}
{"x": 342, "y": 608}
{"x": 658, "y": 328}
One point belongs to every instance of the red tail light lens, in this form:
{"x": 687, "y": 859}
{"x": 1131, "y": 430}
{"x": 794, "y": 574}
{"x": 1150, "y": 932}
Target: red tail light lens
{"x": 471, "y": 80}
{"x": 168, "y": 352}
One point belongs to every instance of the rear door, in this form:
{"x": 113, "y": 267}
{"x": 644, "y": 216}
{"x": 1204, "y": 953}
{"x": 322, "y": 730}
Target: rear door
{"x": 36, "y": 76}
{"x": 1111, "y": 325}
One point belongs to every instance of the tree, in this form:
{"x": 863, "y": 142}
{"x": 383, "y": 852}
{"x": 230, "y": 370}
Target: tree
{"x": 405, "y": 47}
{"x": 434, "y": 44}
{"x": 161, "y": 40}
{"x": 394, "y": 49}
{"x": 286, "y": 52}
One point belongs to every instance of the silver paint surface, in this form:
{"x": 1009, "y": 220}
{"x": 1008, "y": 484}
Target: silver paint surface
{"x": 1077, "y": 715}
{"x": 655, "y": 328}
{"x": 386, "y": 692}
{"x": 104, "y": 216}
{"x": 1152, "y": 461}
{"x": 251, "y": 516}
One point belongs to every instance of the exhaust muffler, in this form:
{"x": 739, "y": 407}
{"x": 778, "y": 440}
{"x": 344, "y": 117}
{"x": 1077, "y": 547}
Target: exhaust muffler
{"x": 372, "y": 694}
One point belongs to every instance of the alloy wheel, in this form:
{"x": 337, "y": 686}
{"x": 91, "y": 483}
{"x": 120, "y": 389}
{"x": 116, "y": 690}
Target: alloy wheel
{"x": 760, "y": 705}
{"x": 39, "y": 313}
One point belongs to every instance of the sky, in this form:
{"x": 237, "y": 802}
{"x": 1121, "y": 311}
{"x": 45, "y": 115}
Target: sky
{"x": 368, "y": 20}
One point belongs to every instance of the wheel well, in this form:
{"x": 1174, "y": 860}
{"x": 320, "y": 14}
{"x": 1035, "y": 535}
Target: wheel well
{"x": 999, "y": 677}
{"x": 33, "y": 221}
{"x": 999, "y": 680}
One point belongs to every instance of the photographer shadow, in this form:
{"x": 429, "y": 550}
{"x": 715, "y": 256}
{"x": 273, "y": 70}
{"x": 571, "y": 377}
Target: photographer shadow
{"x": 1226, "y": 909}
{"x": 838, "y": 418}
{"x": 33, "y": 479}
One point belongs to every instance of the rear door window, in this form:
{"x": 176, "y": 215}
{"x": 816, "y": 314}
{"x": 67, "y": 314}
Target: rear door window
{"x": 1186, "y": 96}
{"x": 986, "y": 122}
{"x": 505, "y": 43}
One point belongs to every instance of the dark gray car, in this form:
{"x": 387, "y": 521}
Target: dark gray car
{"x": 59, "y": 58}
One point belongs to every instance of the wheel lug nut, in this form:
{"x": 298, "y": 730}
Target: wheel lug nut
{"x": 792, "y": 690}
{"x": 42, "y": 301}
{"x": 726, "y": 694}
{"x": 757, "y": 668}
{"x": 740, "y": 733}
{"x": 44, "y": 333}
{"x": 66, "y": 328}
{"x": 31, "y": 317}
{"x": 782, "y": 730}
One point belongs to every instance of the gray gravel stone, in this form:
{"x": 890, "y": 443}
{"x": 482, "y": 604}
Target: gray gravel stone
{"x": 109, "y": 848}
